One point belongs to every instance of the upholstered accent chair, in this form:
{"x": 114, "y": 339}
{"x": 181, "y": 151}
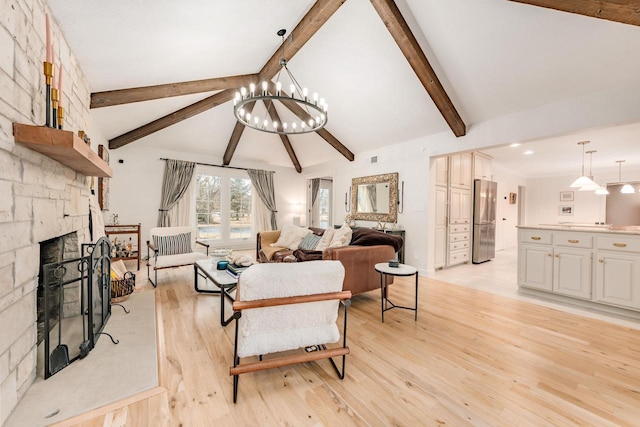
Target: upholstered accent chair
{"x": 170, "y": 247}
{"x": 288, "y": 306}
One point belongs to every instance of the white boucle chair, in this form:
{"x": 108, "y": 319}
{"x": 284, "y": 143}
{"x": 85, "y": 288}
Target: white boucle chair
{"x": 172, "y": 247}
{"x": 288, "y": 306}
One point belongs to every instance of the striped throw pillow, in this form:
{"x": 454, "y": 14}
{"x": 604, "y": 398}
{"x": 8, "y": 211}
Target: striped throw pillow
{"x": 310, "y": 242}
{"x": 173, "y": 245}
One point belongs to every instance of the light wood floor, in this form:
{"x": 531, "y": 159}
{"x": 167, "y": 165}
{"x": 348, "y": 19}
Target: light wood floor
{"x": 472, "y": 358}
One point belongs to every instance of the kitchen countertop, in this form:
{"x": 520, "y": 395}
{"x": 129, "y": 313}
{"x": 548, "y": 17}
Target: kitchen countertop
{"x": 593, "y": 228}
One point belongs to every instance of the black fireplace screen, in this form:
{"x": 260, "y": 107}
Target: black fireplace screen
{"x": 77, "y": 303}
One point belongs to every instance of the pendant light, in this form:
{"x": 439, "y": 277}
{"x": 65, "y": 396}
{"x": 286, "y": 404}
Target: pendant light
{"x": 582, "y": 180}
{"x": 593, "y": 185}
{"x": 626, "y": 188}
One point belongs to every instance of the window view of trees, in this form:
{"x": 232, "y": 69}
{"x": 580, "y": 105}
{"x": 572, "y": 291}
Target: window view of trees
{"x": 208, "y": 209}
{"x": 223, "y": 207}
{"x": 240, "y": 208}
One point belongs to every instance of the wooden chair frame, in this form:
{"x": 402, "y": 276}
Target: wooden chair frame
{"x": 322, "y": 353}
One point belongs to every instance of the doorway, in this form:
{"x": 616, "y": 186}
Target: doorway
{"x": 319, "y": 196}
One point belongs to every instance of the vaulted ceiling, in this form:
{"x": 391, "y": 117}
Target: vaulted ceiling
{"x": 391, "y": 71}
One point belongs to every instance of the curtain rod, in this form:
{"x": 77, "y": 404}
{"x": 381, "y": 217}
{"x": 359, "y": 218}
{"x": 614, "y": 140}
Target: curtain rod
{"x": 217, "y": 166}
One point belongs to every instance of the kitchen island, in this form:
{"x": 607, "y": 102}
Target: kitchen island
{"x": 594, "y": 263}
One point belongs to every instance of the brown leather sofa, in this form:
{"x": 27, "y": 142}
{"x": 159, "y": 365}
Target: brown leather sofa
{"x": 358, "y": 261}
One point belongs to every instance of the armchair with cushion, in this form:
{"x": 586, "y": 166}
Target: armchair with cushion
{"x": 288, "y": 306}
{"x": 171, "y": 247}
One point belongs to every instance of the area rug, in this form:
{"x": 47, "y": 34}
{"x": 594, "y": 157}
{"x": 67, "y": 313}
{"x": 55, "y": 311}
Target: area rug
{"x": 108, "y": 374}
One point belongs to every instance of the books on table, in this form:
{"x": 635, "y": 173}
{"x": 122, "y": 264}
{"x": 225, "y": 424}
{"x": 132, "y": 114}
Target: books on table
{"x": 235, "y": 270}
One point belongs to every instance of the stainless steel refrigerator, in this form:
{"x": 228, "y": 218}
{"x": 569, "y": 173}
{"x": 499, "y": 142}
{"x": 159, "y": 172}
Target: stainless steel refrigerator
{"x": 484, "y": 220}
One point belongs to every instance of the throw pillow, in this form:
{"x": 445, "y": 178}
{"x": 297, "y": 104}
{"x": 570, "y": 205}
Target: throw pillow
{"x": 309, "y": 242}
{"x": 173, "y": 245}
{"x": 325, "y": 240}
{"x": 341, "y": 237}
{"x": 291, "y": 236}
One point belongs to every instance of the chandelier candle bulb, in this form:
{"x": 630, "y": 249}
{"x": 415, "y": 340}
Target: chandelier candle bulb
{"x": 315, "y": 98}
{"x": 292, "y": 89}
{"x": 243, "y": 91}
{"x": 302, "y": 125}
{"x": 275, "y": 125}
{"x": 265, "y": 86}
{"x": 305, "y": 92}
{"x": 264, "y": 125}
{"x": 278, "y": 88}
{"x": 256, "y": 120}
{"x": 284, "y": 126}
{"x": 252, "y": 89}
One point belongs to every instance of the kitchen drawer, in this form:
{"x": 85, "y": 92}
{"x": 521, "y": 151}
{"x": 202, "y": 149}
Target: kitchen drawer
{"x": 459, "y": 237}
{"x": 459, "y": 245}
{"x": 573, "y": 240}
{"x": 460, "y": 228}
{"x": 458, "y": 257}
{"x": 460, "y": 221}
{"x": 615, "y": 243}
{"x": 542, "y": 237}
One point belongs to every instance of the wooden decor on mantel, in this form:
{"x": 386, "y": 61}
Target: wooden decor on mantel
{"x": 62, "y": 146}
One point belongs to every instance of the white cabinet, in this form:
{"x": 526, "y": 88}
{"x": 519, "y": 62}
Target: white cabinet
{"x": 442, "y": 171}
{"x": 460, "y": 206}
{"x": 601, "y": 267}
{"x": 535, "y": 267}
{"x": 557, "y": 262}
{"x": 460, "y": 170}
{"x": 440, "y": 232}
{"x": 481, "y": 166}
{"x": 572, "y": 272}
{"x": 618, "y": 271}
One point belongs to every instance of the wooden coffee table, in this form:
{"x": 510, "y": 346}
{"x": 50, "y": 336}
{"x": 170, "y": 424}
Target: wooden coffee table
{"x": 207, "y": 268}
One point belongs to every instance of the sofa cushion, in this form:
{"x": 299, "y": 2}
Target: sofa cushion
{"x": 309, "y": 242}
{"x": 177, "y": 260}
{"x": 173, "y": 244}
{"x": 325, "y": 241}
{"x": 341, "y": 237}
{"x": 291, "y": 236}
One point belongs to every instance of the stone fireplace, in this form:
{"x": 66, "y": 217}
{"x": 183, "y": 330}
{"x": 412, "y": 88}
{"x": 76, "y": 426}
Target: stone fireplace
{"x": 41, "y": 198}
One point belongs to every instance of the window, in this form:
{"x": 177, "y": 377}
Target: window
{"x": 223, "y": 205}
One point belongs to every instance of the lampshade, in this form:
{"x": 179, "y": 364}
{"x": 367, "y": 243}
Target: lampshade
{"x": 584, "y": 181}
{"x": 601, "y": 191}
{"x": 627, "y": 189}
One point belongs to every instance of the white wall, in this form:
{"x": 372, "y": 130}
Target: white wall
{"x": 507, "y": 214}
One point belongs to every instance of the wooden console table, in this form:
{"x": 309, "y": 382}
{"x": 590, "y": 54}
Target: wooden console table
{"x": 125, "y": 253}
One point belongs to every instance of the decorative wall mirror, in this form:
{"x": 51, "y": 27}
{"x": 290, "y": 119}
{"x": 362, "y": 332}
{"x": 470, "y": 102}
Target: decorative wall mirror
{"x": 375, "y": 198}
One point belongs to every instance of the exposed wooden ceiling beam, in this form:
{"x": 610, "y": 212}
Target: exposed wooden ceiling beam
{"x": 171, "y": 119}
{"x": 319, "y": 13}
{"x": 315, "y": 18}
{"x": 296, "y": 109}
{"x": 147, "y": 93}
{"x": 406, "y": 41}
{"x": 238, "y": 129}
{"x": 624, "y": 11}
{"x": 271, "y": 108}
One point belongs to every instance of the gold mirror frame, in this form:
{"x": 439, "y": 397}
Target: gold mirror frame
{"x": 392, "y": 216}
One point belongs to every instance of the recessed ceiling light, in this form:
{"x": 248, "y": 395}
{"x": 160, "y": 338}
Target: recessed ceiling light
{"x": 515, "y": 144}
{"x": 528, "y": 152}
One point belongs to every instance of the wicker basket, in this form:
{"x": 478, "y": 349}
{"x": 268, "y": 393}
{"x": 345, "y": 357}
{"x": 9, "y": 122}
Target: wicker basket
{"x": 121, "y": 289}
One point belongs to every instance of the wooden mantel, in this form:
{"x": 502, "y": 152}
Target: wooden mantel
{"x": 63, "y": 146}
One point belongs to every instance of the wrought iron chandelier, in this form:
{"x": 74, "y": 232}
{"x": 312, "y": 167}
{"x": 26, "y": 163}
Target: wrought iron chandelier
{"x": 315, "y": 109}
